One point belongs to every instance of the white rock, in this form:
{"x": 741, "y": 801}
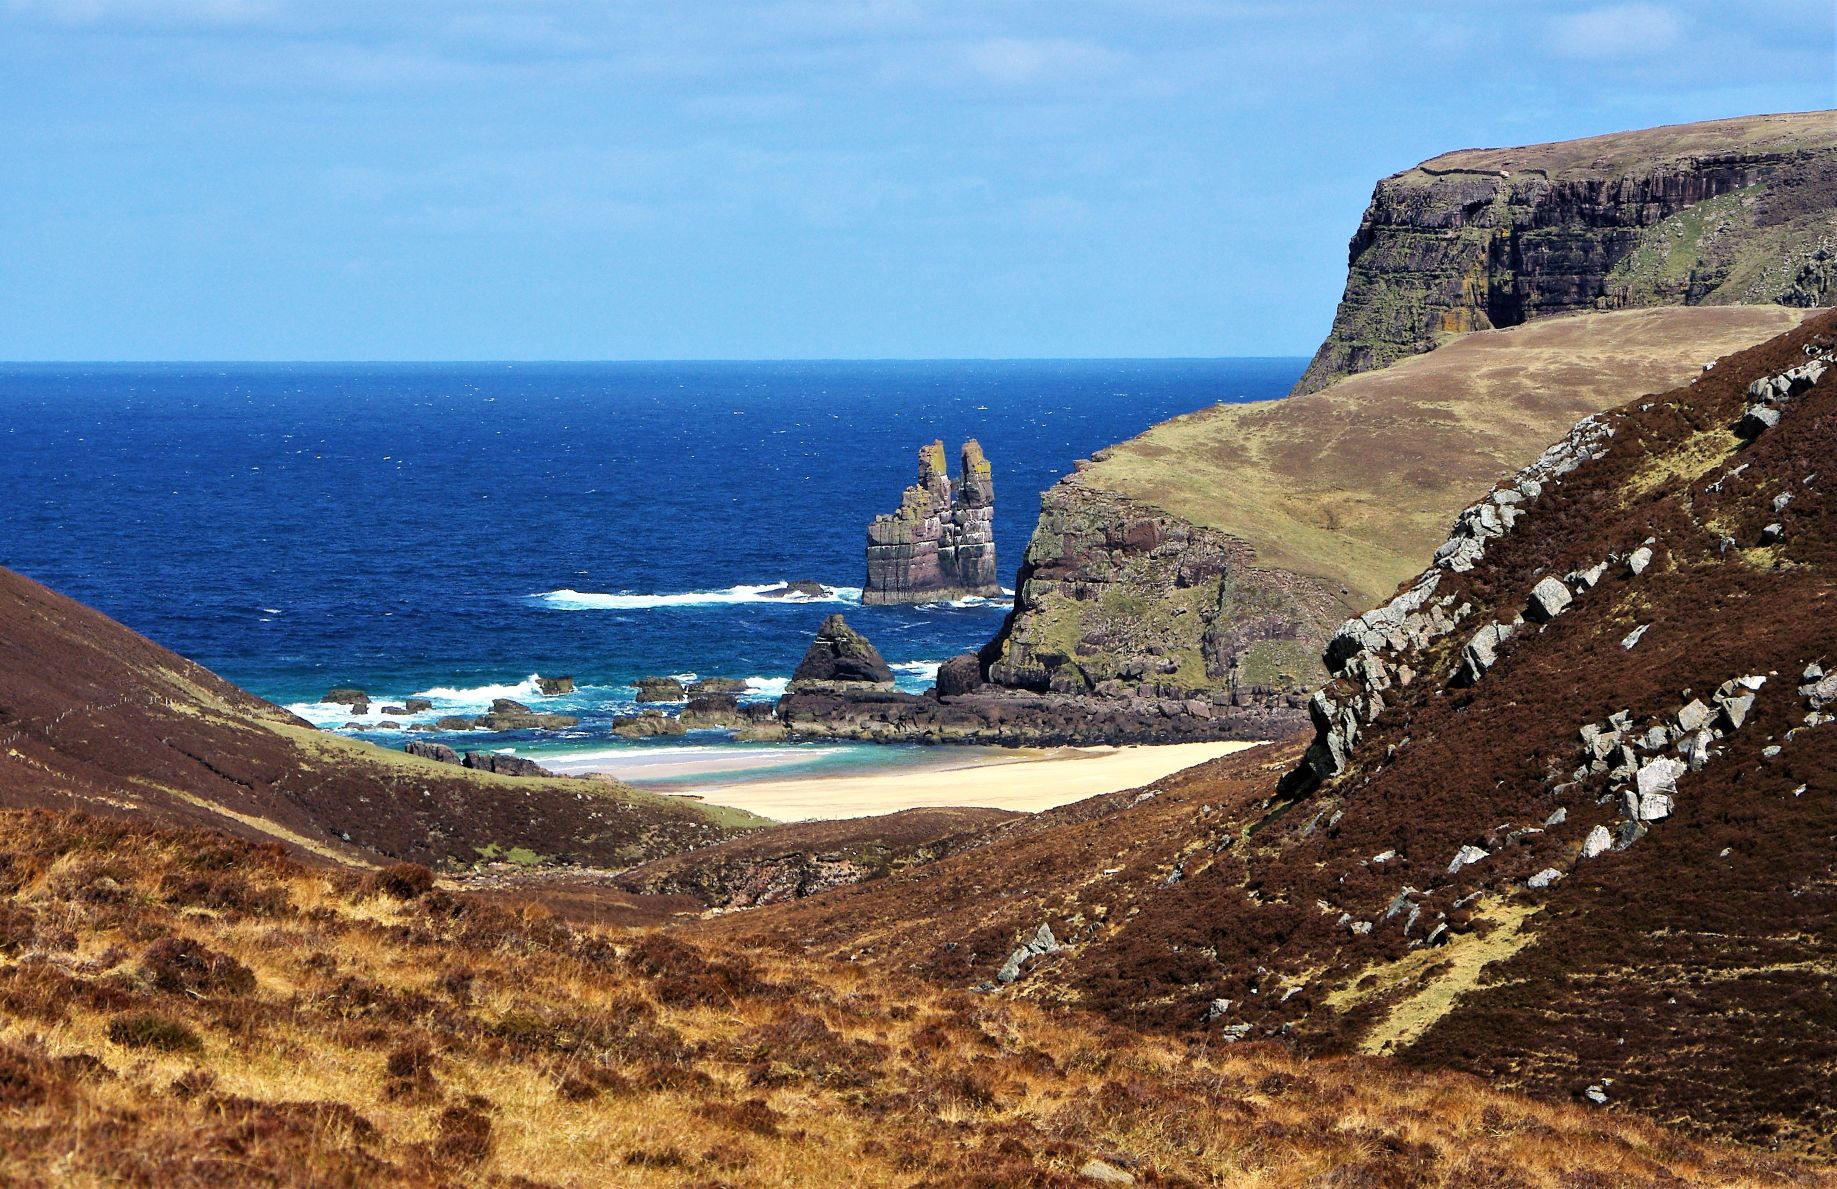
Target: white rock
{"x": 1660, "y": 775}
{"x": 1544, "y": 878}
{"x": 1632, "y": 637}
{"x": 1549, "y": 599}
{"x": 1599, "y": 841}
{"x": 1640, "y": 559}
{"x": 1694, "y": 716}
{"x": 1468, "y": 856}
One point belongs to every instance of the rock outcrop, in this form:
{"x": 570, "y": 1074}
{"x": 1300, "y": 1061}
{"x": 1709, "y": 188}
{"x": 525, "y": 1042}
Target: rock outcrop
{"x": 1728, "y": 212}
{"x": 940, "y": 544}
{"x": 842, "y": 660}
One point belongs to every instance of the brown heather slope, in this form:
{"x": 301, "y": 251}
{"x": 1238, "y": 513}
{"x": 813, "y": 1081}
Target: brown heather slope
{"x": 182, "y": 1009}
{"x": 1689, "y": 976}
{"x": 96, "y": 717}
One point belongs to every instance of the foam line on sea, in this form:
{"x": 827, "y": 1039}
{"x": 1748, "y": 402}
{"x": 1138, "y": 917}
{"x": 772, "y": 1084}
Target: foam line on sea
{"x": 577, "y": 600}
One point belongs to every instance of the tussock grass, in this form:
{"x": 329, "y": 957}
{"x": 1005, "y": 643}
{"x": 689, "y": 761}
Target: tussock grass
{"x": 178, "y": 1009}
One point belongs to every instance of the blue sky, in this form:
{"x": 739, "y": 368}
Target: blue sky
{"x": 410, "y": 179}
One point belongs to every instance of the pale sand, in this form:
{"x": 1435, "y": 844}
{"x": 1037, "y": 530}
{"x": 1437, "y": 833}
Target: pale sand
{"x": 1028, "y": 781}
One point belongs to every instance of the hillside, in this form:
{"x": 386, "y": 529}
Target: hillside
{"x": 96, "y": 717}
{"x": 1585, "y": 852}
{"x": 1219, "y": 550}
{"x": 183, "y": 1009}
{"x": 1728, "y": 212}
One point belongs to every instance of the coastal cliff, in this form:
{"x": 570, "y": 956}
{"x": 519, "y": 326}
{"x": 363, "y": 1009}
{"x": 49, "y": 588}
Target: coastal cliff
{"x": 1729, "y": 212}
{"x": 940, "y": 544}
{"x": 1211, "y": 557}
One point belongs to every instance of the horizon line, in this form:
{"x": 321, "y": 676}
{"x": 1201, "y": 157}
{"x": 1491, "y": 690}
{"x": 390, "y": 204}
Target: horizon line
{"x": 374, "y": 362}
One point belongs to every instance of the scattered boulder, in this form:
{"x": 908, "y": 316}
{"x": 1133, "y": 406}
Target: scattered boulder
{"x": 1482, "y": 652}
{"x": 1467, "y": 857}
{"x": 1638, "y": 560}
{"x": 504, "y": 765}
{"x": 660, "y": 689}
{"x": 438, "y": 752}
{"x": 1549, "y": 599}
{"x": 647, "y": 724}
{"x": 1543, "y": 879}
{"x": 1599, "y": 841}
{"x": 1633, "y": 637}
{"x": 959, "y": 675}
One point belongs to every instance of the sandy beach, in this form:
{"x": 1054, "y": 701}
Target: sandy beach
{"x": 1025, "y": 780}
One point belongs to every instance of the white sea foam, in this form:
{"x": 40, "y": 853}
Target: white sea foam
{"x": 482, "y": 695}
{"x": 925, "y": 669}
{"x": 968, "y": 601}
{"x": 576, "y": 600}
{"x": 767, "y": 687}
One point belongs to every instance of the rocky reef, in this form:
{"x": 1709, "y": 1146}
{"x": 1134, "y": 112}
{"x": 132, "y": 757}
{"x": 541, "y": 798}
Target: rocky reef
{"x": 1720, "y": 213}
{"x": 940, "y": 544}
{"x": 844, "y": 690}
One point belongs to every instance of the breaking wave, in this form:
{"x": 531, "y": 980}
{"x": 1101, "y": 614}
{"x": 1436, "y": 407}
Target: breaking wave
{"x": 576, "y": 600}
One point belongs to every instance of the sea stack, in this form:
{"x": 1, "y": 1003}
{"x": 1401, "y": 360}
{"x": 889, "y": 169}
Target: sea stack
{"x": 940, "y": 544}
{"x": 841, "y": 660}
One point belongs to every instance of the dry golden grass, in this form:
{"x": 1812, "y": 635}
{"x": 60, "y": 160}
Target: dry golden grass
{"x": 1358, "y": 483}
{"x": 180, "y": 1009}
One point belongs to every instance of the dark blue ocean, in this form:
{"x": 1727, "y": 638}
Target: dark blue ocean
{"x": 453, "y": 529}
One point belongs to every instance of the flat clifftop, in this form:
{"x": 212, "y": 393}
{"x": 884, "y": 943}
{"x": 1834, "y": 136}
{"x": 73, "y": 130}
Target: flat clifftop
{"x": 1730, "y": 212}
{"x": 1616, "y": 154}
{"x": 1354, "y": 485}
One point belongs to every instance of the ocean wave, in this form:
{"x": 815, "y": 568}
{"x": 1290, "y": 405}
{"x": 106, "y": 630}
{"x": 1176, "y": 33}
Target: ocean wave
{"x": 576, "y": 600}
{"x": 482, "y": 695}
{"x": 968, "y": 601}
{"x": 767, "y": 687}
{"x": 926, "y": 669}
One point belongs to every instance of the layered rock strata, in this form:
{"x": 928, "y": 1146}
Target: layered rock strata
{"x": 940, "y": 544}
{"x": 1728, "y": 212}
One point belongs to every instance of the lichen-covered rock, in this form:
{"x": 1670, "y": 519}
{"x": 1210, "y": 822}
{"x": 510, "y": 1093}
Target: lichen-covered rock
{"x": 940, "y": 544}
{"x": 1549, "y": 599}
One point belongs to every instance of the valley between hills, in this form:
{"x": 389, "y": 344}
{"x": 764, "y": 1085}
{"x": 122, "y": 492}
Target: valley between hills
{"x": 1527, "y": 593}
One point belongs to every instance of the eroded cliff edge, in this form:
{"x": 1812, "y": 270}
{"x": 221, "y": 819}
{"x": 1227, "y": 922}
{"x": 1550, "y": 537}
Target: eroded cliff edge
{"x": 1211, "y": 558}
{"x": 1728, "y": 212}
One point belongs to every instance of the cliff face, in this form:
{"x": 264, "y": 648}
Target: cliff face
{"x": 1117, "y": 599}
{"x": 1210, "y": 558}
{"x": 940, "y": 544}
{"x": 1729, "y": 212}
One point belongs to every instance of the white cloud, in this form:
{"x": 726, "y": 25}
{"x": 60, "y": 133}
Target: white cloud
{"x": 157, "y": 13}
{"x": 1616, "y": 31}
{"x": 1020, "y": 61}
